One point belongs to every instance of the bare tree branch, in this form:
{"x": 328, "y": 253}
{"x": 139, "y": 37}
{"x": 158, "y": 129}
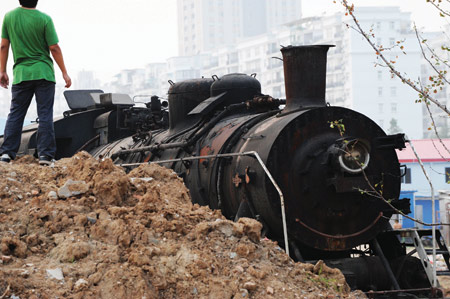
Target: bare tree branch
{"x": 437, "y": 134}
{"x": 378, "y": 51}
{"x": 437, "y": 56}
{"x": 438, "y": 72}
{"x": 441, "y": 11}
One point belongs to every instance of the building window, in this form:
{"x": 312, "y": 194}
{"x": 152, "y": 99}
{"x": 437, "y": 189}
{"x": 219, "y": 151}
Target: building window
{"x": 380, "y": 91}
{"x": 406, "y": 178}
{"x": 277, "y": 91}
{"x": 380, "y": 107}
{"x": 393, "y": 91}
{"x": 392, "y": 25}
{"x": 378, "y": 25}
{"x": 392, "y": 41}
{"x": 447, "y": 175}
{"x": 380, "y": 75}
{"x": 394, "y": 107}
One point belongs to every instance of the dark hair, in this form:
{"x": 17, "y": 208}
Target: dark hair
{"x": 28, "y": 3}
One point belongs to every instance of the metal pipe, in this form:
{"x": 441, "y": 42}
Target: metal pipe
{"x": 190, "y": 141}
{"x": 162, "y": 146}
{"x": 88, "y": 143}
{"x": 251, "y": 153}
{"x": 373, "y": 293}
{"x": 305, "y": 69}
{"x": 433, "y": 210}
{"x": 433, "y": 234}
{"x": 385, "y": 262}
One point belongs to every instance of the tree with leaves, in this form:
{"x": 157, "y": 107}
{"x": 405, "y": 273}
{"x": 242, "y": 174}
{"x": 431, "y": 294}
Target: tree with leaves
{"x": 394, "y": 128}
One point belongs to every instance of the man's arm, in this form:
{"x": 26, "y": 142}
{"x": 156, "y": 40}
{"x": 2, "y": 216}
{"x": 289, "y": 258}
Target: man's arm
{"x": 57, "y": 55}
{"x": 4, "y": 51}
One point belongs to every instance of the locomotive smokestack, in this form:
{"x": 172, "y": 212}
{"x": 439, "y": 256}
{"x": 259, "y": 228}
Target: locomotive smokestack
{"x": 305, "y": 69}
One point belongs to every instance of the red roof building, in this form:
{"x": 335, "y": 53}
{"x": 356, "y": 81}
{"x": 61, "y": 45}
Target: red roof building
{"x": 429, "y": 150}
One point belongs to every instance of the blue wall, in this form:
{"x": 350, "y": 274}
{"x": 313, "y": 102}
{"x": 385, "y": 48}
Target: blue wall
{"x": 408, "y": 194}
{"x": 427, "y": 210}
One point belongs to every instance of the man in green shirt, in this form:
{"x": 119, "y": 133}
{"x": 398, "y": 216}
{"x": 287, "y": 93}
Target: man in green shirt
{"x": 32, "y": 37}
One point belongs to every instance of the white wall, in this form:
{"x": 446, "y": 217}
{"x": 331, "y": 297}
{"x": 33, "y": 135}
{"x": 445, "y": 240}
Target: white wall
{"x": 436, "y": 173}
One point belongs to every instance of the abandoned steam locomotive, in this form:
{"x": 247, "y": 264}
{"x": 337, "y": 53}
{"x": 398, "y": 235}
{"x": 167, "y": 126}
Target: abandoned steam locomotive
{"x": 330, "y": 163}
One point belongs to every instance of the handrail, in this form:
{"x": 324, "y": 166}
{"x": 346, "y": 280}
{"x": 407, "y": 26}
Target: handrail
{"x": 342, "y": 236}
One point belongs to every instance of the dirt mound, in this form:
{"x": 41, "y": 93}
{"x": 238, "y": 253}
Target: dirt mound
{"x": 83, "y": 228}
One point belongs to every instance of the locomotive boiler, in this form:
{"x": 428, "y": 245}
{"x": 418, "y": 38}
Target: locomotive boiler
{"x": 336, "y": 170}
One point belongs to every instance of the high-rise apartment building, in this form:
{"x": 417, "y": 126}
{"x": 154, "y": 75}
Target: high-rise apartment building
{"x": 205, "y": 25}
{"x": 353, "y": 79}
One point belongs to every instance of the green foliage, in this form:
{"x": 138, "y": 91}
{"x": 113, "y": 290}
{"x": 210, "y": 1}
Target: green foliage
{"x": 394, "y": 128}
{"x": 338, "y": 124}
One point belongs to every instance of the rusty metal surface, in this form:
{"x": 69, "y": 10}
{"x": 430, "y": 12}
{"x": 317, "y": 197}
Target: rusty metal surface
{"x": 208, "y": 172}
{"x": 295, "y": 147}
{"x": 309, "y": 175}
{"x": 215, "y": 141}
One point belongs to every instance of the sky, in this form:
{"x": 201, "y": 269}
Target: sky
{"x": 107, "y": 36}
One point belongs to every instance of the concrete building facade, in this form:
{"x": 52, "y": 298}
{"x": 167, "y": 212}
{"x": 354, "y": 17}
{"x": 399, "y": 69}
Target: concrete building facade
{"x": 435, "y": 157}
{"x": 205, "y": 25}
{"x": 354, "y": 78}
{"x": 437, "y": 62}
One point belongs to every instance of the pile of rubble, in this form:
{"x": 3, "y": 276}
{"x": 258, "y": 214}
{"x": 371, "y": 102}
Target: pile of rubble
{"x": 84, "y": 228}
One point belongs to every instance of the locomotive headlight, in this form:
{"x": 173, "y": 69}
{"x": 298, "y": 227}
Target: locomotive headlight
{"x": 354, "y": 156}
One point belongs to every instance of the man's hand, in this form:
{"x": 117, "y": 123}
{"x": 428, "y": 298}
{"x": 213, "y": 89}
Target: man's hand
{"x": 67, "y": 79}
{"x": 57, "y": 55}
{"x": 4, "y": 80}
{"x": 4, "y": 50}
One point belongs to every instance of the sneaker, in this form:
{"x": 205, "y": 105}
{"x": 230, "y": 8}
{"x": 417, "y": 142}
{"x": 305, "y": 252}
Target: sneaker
{"x": 45, "y": 160}
{"x": 5, "y": 158}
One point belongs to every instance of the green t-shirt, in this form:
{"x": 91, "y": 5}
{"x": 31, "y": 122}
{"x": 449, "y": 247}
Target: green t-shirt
{"x": 30, "y": 33}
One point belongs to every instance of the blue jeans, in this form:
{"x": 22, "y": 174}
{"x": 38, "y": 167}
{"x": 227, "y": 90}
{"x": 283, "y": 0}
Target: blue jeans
{"x": 22, "y": 95}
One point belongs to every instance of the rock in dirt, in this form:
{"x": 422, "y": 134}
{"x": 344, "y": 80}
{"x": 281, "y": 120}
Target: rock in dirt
{"x": 80, "y": 285}
{"x": 73, "y": 188}
{"x": 136, "y": 235}
{"x": 52, "y": 195}
{"x": 55, "y": 274}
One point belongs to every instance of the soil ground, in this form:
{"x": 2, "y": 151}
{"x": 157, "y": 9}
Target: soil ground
{"x": 83, "y": 228}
